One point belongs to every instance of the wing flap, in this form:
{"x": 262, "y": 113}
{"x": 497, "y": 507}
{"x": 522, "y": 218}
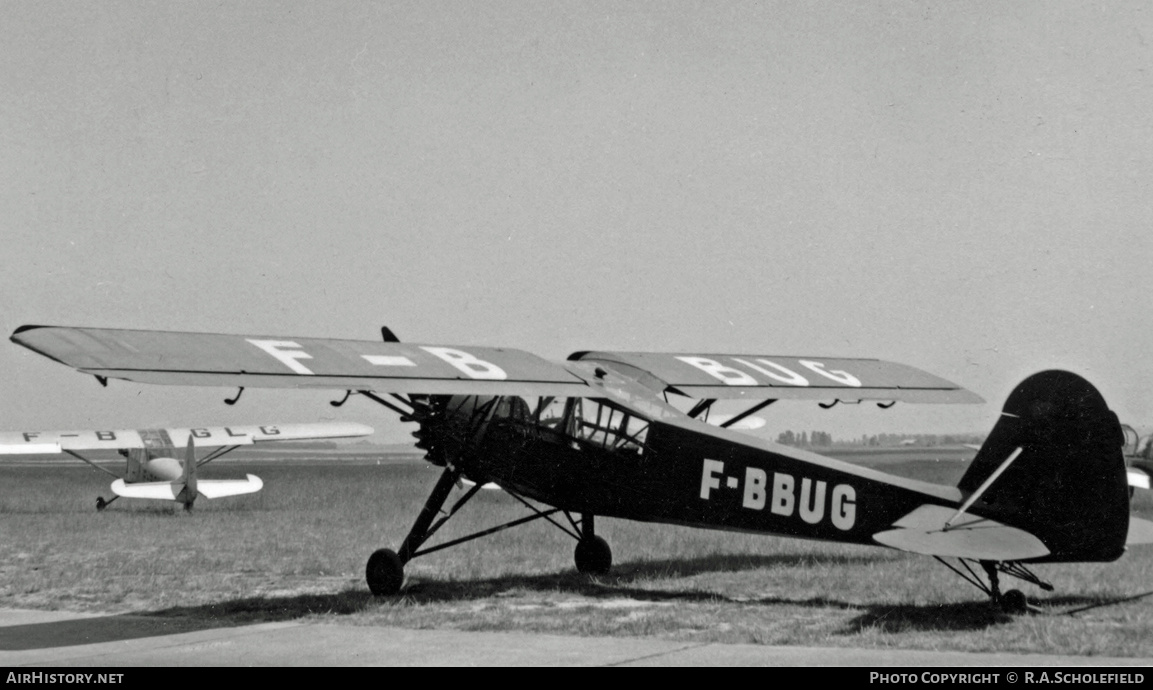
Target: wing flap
{"x": 977, "y": 538}
{"x": 785, "y": 377}
{"x": 211, "y": 359}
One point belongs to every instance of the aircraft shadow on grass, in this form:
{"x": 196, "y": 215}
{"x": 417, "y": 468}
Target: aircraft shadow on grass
{"x": 884, "y": 617}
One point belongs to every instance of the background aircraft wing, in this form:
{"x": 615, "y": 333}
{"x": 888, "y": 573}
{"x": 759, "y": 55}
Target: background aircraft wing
{"x": 36, "y": 442}
{"x": 791, "y": 377}
{"x": 210, "y": 359}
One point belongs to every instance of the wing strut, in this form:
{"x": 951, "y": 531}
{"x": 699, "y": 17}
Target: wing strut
{"x": 216, "y": 454}
{"x": 981, "y": 489}
{"x": 78, "y": 456}
{"x": 759, "y": 406}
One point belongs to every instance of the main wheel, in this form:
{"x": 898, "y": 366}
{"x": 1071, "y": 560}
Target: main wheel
{"x": 1014, "y": 601}
{"x": 384, "y": 573}
{"x": 100, "y": 503}
{"x": 593, "y": 556}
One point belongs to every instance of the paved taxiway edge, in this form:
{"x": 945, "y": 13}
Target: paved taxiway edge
{"x": 325, "y": 644}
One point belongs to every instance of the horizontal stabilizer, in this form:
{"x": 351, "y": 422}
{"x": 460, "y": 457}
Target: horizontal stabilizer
{"x": 168, "y": 491}
{"x": 216, "y": 488}
{"x": 1140, "y": 532}
{"x": 922, "y": 531}
{"x": 164, "y": 491}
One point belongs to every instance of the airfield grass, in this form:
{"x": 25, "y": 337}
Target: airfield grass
{"x": 297, "y": 550}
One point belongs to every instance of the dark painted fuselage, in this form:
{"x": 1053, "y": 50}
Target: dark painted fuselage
{"x": 704, "y": 477}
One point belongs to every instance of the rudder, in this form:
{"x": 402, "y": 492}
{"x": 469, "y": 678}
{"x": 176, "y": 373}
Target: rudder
{"x": 1068, "y": 485}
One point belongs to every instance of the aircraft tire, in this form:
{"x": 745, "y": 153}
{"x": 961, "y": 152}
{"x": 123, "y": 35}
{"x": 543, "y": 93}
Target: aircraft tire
{"x": 593, "y": 556}
{"x": 384, "y": 573}
{"x": 100, "y": 504}
{"x": 1014, "y": 601}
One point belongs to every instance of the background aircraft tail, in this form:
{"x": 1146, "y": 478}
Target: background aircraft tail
{"x": 1067, "y": 483}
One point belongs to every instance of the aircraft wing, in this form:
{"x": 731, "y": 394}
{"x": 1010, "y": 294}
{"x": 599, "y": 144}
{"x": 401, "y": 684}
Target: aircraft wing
{"x": 211, "y": 359}
{"x": 36, "y": 442}
{"x": 770, "y": 376}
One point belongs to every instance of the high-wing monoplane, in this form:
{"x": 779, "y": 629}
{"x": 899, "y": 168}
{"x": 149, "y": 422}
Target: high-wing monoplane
{"x": 162, "y": 463}
{"x": 600, "y": 435}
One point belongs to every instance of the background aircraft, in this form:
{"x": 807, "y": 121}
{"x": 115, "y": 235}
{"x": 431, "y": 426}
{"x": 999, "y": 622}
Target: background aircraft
{"x": 162, "y": 463}
{"x": 597, "y": 435}
{"x": 1138, "y": 458}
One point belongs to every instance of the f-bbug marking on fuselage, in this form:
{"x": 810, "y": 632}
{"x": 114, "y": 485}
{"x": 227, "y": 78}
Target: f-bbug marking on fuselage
{"x": 809, "y": 504}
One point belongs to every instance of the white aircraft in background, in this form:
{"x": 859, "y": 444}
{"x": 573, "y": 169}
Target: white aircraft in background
{"x": 154, "y": 468}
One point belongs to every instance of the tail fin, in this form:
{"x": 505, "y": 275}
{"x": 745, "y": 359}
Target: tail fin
{"x": 1067, "y": 486}
{"x": 189, "y": 493}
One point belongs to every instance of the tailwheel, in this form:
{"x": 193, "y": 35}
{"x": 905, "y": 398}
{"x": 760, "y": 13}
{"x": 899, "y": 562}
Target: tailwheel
{"x": 1011, "y": 602}
{"x": 100, "y": 503}
{"x": 384, "y": 572}
{"x": 1014, "y": 601}
{"x": 593, "y": 555}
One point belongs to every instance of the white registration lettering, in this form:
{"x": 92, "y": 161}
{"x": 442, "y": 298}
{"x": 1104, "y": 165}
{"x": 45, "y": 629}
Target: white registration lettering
{"x": 844, "y": 512}
{"x": 754, "y": 488}
{"x": 286, "y": 356}
{"x": 709, "y": 481}
{"x": 783, "y": 494}
{"x": 837, "y": 375}
{"x": 785, "y": 376}
{"x": 812, "y": 505}
{"x": 726, "y": 375}
{"x": 469, "y": 364}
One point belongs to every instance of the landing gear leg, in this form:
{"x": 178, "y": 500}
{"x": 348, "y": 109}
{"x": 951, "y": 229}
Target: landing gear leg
{"x": 1013, "y": 601}
{"x": 385, "y": 569}
{"x": 592, "y": 554}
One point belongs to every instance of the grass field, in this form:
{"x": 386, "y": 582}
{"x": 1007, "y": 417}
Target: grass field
{"x": 297, "y": 550}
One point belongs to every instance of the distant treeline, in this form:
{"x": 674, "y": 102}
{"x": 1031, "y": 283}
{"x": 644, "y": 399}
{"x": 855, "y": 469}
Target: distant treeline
{"x": 824, "y": 439}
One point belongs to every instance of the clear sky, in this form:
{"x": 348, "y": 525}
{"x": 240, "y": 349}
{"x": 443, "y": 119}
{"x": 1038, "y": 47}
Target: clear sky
{"x": 964, "y": 187}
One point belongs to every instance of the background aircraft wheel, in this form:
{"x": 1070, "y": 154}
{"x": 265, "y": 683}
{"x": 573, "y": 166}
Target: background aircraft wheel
{"x": 593, "y": 556}
{"x": 1014, "y": 601}
{"x": 384, "y": 572}
{"x": 100, "y": 503}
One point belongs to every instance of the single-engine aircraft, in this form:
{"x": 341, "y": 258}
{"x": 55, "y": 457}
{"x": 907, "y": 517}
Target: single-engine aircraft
{"x": 596, "y": 435}
{"x": 154, "y": 467}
